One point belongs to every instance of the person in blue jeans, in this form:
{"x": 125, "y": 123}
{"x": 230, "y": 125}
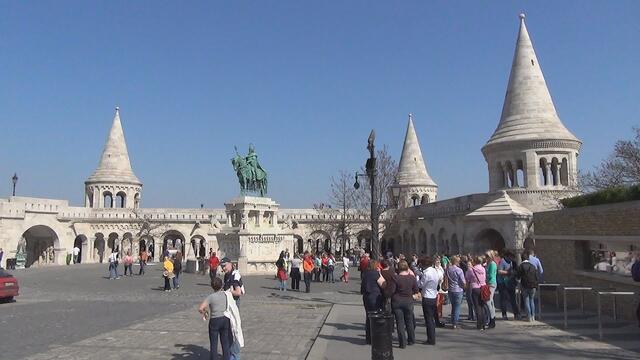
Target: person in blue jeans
{"x": 213, "y": 308}
{"x": 529, "y": 280}
{"x": 457, "y": 283}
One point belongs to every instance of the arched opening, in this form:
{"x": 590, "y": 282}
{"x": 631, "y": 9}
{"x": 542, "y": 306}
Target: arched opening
{"x": 151, "y": 247}
{"x": 554, "y": 171}
{"x": 442, "y": 239}
{"x": 500, "y": 172}
{"x": 364, "y": 240}
{"x": 142, "y": 245}
{"x": 413, "y": 244}
{"x": 299, "y": 244}
{"x": 405, "y": 242}
{"x": 529, "y": 243}
{"x": 126, "y": 245}
{"x": 90, "y": 199}
{"x": 425, "y": 199}
{"x": 455, "y": 246}
{"x": 197, "y": 244}
{"x": 40, "y": 244}
{"x": 172, "y": 241}
{"x": 432, "y": 244}
{"x": 108, "y": 199}
{"x": 136, "y": 200}
{"x": 121, "y": 199}
{"x": 112, "y": 242}
{"x": 98, "y": 247}
{"x": 415, "y": 200}
{"x": 322, "y": 240}
{"x": 423, "y": 241}
{"x": 488, "y": 239}
{"x": 327, "y": 245}
{"x": 564, "y": 172}
{"x": 81, "y": 243}
{"x": 509, "y": 174}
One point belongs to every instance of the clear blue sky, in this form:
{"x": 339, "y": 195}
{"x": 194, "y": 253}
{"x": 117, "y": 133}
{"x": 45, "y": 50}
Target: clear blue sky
{"x": 304, "y": 81}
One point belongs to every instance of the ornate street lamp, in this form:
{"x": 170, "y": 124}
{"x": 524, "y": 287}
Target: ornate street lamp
{"x": 371, "y": 173}
{"x": 395, "y": 191}
{"x": 14, "y": 179}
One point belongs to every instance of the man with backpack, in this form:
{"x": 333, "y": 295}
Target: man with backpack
{"x": 529, "y": 280}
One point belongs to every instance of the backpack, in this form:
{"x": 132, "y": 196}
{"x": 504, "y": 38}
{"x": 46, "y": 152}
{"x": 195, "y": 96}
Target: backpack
{"x": 635, "y": 271}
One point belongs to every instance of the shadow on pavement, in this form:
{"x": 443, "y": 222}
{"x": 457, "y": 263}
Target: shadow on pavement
{"x": 190, "y": 352}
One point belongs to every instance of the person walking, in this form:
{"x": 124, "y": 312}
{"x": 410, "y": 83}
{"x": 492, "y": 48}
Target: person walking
{"x": 308, "y": 267}
{"x": 144, "y": 256}
{"x": 76, "y": 252}
{"x": 214, "y": 262}
{"x": 476, "y": 278}
{"x": 371, "y": 291}
{"x": 403, "y": 287}
{"x": 167, "y": 273}
{"x": 331, "y": 264}
{"x": 213, "y": 309}
{"x": 128, "y": 263}
{"x": 491, "y": 274}
{"x": 113, "y": 268}
{"x": 317, "y": 267}
{"x": 177, "y": 269}
{"x": 325, "y": 268}
{"x": 456, "y": 283}
{"x": 529, "y": 280}
{"x": 507, "y": 285}
{"x": 295, "y": 274}
{"x": 345, "y": 269}
{"x": 533, "y": 259}
{"x": 281, "y": 273}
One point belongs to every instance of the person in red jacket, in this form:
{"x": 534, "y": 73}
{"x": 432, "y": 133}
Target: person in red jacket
{"x": 214, "y": 262}
{"x": 364, "y": 263}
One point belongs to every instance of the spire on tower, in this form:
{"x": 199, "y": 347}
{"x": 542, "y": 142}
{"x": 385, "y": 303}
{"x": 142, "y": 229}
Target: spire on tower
{"x": 115, "y": 165}
{"x": 412, "y": 169}
{"x": 528, "y": 112}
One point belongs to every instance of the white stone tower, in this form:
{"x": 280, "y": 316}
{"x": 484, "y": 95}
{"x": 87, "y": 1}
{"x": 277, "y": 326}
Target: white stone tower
{"x": 531, "y": 154}
{"x": 113, "y": 183}
{"x": 413, "y": 181}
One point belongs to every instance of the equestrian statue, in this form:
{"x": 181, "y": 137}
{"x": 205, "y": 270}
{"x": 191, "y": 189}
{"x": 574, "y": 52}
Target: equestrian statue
{"x": 251, "y": 176}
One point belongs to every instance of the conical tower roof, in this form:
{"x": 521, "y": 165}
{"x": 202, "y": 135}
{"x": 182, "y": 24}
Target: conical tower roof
{"x": 412, "y": 170}
{"x": 115, "y": 165}
{"x": 528, "y": 112}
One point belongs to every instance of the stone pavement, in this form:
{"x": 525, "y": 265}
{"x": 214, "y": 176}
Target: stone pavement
{"x": 75, "y": 313}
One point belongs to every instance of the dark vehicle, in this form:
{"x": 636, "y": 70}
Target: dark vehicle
{"x": 8, "y": 286}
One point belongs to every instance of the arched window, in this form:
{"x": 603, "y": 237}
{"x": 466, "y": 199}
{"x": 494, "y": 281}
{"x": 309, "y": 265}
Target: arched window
{"x": 554, "y": 172}
{"x": 108, "y": 199}
{"x": 121, "y": 199}
{"x": 564, "y": 172}
{"x": 543, "y": 172}
{"x": 136, "y": 200}
{"x": 425, "y": 199}
{"x": 415, "y": 200}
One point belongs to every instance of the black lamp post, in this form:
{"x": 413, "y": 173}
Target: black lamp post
{"x": 14, "y": 179}
{"x": 371, "y": 173}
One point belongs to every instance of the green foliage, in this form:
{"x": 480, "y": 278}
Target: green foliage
{"x": 606, "y": 196}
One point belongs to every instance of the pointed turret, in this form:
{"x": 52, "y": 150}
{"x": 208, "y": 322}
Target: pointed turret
{"x": 413, "y": 180}
{"x": 113, "y": 183}
{"x": 412, "y": 170}
{"x": 528, "y": 112}
{"x": 115, "y": 165}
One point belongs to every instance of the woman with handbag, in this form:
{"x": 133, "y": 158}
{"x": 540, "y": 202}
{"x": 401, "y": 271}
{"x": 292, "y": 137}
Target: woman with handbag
{"x": 167, "y": 274}
{"x": 281, "y": 274}
{"x": 476, "y": 280}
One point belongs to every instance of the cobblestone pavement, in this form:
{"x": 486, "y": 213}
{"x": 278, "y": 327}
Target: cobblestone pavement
{"x": 75, "y": 312}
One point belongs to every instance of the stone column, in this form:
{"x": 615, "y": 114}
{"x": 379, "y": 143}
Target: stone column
{"x": 515, "y": 176}
{"x": 505, "y": 175}
{"x": 559, "y": 173}
{"x": 259, "y": 219}
{"x": 549, "y": 176}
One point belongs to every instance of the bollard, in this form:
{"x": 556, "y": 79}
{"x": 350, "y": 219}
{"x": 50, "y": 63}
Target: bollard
{"x": 381, "y": 333}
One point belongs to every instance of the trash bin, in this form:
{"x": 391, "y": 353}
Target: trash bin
{"x": 381, "y": 333}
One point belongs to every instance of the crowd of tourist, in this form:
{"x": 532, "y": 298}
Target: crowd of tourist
{"x": 394, "y": 283}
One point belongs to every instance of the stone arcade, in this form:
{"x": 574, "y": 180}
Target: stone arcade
{"x": 531, "y": 160}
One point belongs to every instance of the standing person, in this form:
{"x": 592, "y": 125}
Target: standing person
{"x": 117, "y": 260}
{"x": 491, "y": 274}
{"x": 325, "y": 268}
{"x": 371, "y": 294}
{"x": 1, "y": 255}
{"x": 428, "y": 280}
{"x": 113, "y": 270}
{"x": 219, "y": 325}
{"x": 233, "y": 284}
{"x": 128, "y": 264}
{"x": 144, "y": 256}
{"x": 296, "y": 263}
{"x": 476, "y": 277}
{"x": 437, "y": 264}
{"x": 403, "y": 288}
{"x": 388, "y": 274}
{"x": 345, "y": 269}
{"x": 507, "y": 285}
{"x": 167, "y": 273}
{"x": 364, "y": 264}
{"x": 529, "y": 279}
{"x": 465, "y": 264}
{"x": 308, "y": 267}
{"x": 331, "y": 264}
{"x": 457, "y": 283}
{"x": 317, "y": 267}
{"x": 635, "y": 275}
{"x": 281, "y": 273}
{"x": 214, "y": 262}
{"x": 76, "y": 252}
{"x": 537, "y": 263}
{"x": 177, "y": 269}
